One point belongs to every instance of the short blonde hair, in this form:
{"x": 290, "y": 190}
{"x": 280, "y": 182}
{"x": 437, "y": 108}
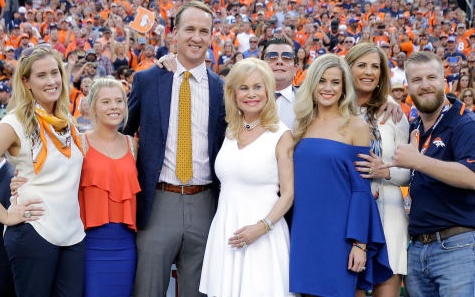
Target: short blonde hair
{"x": 239, "y": 72}
{"x": 22, "y": 101}
{"x": 306, "y": 107}
{"x": 99, "y": 84}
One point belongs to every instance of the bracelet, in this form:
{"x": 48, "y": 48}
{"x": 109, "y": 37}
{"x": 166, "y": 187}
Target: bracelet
{"x": 360, "y": 246}
{"x": 265, "y": 225}
{"x": 269, "y": 223}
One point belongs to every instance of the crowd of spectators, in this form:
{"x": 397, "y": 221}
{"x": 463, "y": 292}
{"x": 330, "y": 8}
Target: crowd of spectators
{"x": 96, "y": 40}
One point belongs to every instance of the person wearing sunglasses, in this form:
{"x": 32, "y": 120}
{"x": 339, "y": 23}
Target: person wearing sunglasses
{"x": 253, "y": 50}
{"x": 40, "y": 140}
{"x": 279, "y": 55}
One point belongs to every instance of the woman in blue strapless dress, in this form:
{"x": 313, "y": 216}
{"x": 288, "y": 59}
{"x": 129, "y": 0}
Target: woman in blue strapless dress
{"x": 337, "y": 242}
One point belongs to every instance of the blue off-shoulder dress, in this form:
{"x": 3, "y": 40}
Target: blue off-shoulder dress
{"x": 333, "y": 207}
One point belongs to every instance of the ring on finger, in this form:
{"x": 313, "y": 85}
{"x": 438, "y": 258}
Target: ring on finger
{"x": 363, "y": 268}
{"x": 243, "y": 244}
{"x": 27, "y": 214}
{"x": 370, "y": 171}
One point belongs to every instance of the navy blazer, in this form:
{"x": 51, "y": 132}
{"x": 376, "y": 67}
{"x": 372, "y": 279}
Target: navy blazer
{"x": 149, "y": 110}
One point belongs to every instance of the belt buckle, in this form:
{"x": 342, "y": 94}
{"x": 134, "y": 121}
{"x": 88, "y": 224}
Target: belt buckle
{"x": 182, "y": 190}
{"x": 425, "y": 238}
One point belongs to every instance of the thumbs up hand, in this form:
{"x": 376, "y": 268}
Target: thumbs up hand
{"x": 407, "y": 155}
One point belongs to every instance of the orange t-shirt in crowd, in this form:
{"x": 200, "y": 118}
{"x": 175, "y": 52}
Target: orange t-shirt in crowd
{"x": 74, "y": 101}
{"x": 145, "y": 64}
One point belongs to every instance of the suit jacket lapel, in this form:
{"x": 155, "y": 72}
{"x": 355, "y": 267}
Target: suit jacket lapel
{"x": 165, "y": 80}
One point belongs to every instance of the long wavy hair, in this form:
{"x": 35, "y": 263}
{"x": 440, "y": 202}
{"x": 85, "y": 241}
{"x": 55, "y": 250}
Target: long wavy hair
{"x": 380, "y": 94}
{"x": 239, "y": 72}
{"x": 22, "y": 101}
{"x": 306, "y": 107}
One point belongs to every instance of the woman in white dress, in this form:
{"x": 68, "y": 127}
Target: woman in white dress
{"x": 247, "y": 253}
{"x": 369, "y": 68}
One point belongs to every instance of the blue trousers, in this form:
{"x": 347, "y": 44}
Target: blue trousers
{"x": 42, "y": 269}
{"x": 444, "y": 268}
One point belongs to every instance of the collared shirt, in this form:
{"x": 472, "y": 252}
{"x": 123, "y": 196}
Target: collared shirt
{"x": 436, "y": 205}
{"x": 285, "y": 104}
{"x": 199, "y": 128}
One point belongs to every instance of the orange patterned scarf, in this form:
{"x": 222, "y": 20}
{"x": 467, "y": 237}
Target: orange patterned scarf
{"x": 58, "y": 130}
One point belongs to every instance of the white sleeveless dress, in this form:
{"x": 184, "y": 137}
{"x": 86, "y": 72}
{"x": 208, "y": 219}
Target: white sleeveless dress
{"x": 249, "y": 189}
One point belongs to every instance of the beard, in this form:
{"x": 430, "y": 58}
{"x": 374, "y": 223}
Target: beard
{"x": 429, "y": 105}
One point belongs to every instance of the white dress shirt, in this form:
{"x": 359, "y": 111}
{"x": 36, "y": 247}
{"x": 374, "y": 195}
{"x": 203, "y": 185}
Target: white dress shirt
{"x": 199, "y": 128}
{"x": 285, "y": 104}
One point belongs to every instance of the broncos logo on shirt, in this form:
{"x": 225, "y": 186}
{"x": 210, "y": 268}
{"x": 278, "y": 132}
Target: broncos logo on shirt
{"x": 438, "y": 142}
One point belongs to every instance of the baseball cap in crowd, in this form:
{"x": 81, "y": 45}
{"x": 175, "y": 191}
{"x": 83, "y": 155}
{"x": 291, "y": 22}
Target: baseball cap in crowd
{"x": 397, "y": 85}
{"x": 428, "y": 47}
{"x": 24, "y": 35}
{"x": 451, "y": 39}
{"x": 324, "y": 5}
{"x": 260, "y": 12}
{"x": 217, "y": 20}
{"x": 16, "y": 26}
{"x": 443, "y": 35}
{"x": 88, "y": 21}
{"x": 22, "y": 10}
{"x": 90, "y": 52}
{"x": 106, "y": 30}
{"x": 409, "y": 1}
{"x": 259, "y": 4}
{"x": 245, "y": 20}
{"x": 401, "y": 16}
{"x": 334, "y": 24}
{"x": 354, "y": 20}
{"x": 9, "y": 48}
{"x": 461, "y": 25}
{"x": 142, "y": 40}
{"x": 384, "y": 44}
{"x": 321, "y": 52}
{"x": 4, "y": 88}
{"x": 113, "y": 4}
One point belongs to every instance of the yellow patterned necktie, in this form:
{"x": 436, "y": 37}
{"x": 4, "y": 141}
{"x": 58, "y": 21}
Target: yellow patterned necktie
{"x": 184, "y": 164}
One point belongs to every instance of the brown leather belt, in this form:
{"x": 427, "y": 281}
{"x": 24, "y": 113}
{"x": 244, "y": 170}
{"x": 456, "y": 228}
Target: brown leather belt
{"x": 184, "y": 190}
{"x": 443, "y": 234}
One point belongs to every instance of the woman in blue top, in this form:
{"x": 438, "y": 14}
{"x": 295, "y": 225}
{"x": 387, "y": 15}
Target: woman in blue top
{"x": 337, "y": 242}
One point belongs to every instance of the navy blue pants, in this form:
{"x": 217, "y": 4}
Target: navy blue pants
{"x": 42, "y": 269}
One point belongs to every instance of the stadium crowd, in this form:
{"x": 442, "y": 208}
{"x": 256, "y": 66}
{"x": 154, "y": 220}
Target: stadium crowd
{"x": 96, "y": 40}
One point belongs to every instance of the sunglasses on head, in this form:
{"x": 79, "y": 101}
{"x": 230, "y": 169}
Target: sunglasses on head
{"x": 274, "y": 56}
{"x": 28, "y": 51}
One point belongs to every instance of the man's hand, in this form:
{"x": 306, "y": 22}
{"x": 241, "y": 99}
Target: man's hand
{"x": 406, "y": 155}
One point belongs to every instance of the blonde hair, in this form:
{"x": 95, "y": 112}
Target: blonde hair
{"x": 99, "y": 84}
{"x": 239, "y": 72}
{"x": 22, "y": 101}
{"x": 306, "y": 107}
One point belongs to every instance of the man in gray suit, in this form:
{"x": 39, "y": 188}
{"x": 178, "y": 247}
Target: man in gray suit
{"x": 173, "y": 215}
